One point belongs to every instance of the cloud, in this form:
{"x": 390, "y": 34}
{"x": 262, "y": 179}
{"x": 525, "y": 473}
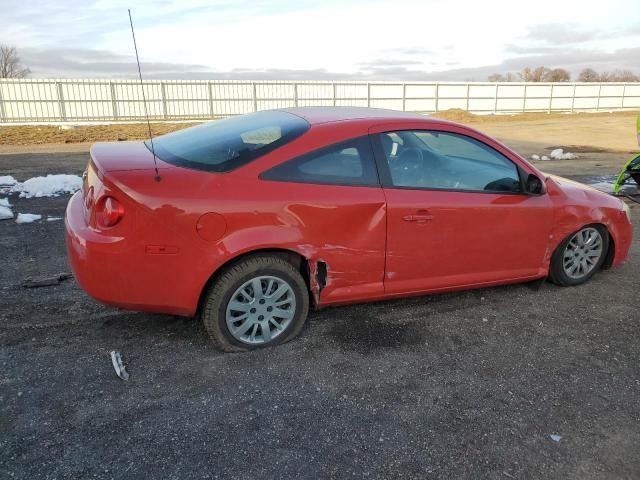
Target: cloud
{"x": 99, "y": 63}
{"x": 388, "y": 62}
{"x": 562, "y": 34}
{"x": 104, "y": 64}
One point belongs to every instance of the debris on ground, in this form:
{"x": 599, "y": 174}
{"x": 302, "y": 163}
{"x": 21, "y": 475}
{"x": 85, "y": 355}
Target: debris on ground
{"x": 544, "y": 157}
{"x": 118, "y": 366}
{"x": 54, "y": 219}
{"x": 555, "y": 438}
{"x": 535, "y": 157}
{"x": 28, "y": 218}
{"x": 46, "y": 281}
{"x": 560, "y": 154}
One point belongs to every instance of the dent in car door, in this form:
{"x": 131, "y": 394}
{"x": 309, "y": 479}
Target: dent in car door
{"x": 332, "y": 205}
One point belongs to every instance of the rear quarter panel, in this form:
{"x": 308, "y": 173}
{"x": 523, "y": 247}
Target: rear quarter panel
{"x": 342, "y": 226}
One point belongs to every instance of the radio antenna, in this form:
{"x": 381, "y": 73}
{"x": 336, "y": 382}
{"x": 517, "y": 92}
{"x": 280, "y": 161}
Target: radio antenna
{"x": 144, "y": 100}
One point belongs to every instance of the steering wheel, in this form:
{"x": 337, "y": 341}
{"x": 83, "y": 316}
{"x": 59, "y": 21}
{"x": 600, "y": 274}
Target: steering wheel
{"x": 408, "y": 168}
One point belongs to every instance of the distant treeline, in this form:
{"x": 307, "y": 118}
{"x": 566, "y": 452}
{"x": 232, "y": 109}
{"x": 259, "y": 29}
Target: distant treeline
{"x": 544, "y": 74}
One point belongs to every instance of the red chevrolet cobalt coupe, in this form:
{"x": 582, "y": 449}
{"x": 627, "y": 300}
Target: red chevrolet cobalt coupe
{"x": 256, "y": 218}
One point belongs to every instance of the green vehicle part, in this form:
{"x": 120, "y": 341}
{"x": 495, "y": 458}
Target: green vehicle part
{"x": 631, "y": 170}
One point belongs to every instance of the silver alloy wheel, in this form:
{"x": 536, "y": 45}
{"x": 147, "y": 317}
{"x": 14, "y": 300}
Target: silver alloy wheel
{"x": 260, "y": 310}
{"x": 582, "y": 253}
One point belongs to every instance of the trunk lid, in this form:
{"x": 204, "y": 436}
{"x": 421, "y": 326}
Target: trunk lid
{"x": 123, "y": 156}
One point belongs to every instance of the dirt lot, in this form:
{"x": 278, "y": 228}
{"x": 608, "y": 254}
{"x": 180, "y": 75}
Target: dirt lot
{"x": 465, "y": 385}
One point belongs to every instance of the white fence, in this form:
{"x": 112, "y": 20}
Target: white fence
{"x": 47, "y": 100}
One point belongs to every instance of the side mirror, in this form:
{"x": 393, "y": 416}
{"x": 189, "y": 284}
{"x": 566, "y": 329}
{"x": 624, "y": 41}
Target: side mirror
{"x": 534, "y": 185}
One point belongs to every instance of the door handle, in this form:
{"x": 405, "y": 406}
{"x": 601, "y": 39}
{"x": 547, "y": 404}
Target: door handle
{"x": 418, "y": 218}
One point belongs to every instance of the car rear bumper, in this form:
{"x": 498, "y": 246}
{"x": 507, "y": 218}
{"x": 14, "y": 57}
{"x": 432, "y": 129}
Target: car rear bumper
{"x": 116, "y": 271}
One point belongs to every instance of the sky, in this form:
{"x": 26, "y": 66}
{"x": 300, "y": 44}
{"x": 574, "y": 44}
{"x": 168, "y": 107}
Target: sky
{"x": 454, "y": 40}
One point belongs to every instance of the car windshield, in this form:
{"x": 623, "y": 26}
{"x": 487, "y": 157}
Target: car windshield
{"x": 222, "y": 145}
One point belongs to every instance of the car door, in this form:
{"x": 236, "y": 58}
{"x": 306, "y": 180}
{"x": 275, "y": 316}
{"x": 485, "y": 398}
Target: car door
{"x": 456, "y": 212}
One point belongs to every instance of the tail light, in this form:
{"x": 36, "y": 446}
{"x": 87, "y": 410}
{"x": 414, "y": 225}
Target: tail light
{"x": 110, "y": 212}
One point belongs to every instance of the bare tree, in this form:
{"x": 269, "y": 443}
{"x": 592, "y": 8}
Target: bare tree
{"x": 10, "y": 63}
{"x": 619, "y": 76}
{"x": 499, "y": 77}
{"x": 534, "y": 75}
{"x": 558, "y": 75}
{"x": 588, "y": 75}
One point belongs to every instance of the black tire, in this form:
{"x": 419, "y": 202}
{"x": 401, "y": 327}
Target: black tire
{"x": 219, "y": 295}
{"x": 556, "y": 271}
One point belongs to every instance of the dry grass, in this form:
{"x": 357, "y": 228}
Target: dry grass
{"x": 462, "y": 116}
{"x": 35, "y": 134}
{"x": 47, "y": 134}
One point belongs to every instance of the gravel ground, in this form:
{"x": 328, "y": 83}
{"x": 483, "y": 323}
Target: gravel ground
{"x": 465, "y": 385}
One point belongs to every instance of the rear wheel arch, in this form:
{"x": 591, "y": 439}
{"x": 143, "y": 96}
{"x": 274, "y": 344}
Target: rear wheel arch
{"x": 294, "y": 258}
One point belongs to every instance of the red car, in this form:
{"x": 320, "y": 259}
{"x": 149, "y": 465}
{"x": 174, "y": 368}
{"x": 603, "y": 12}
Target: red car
{"x": 256, "y": 218}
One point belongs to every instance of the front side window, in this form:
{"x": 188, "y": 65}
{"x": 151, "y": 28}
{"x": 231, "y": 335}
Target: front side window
{"x": 346, "y": 163}
{"x": 448, "y": 161}
{"x": 223, "y": 145}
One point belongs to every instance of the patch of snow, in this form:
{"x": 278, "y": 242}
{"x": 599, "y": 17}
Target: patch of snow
{"x": 49, "y": 186}
{"x": 544, "y": 157}
{"x": 4, "y": 202}
{"x": 5, "y": 213}
{"x": 535, "y": 157}
{"x": 54, "y": 219}
{"x": 28, "y": 218}
{"x": 555, "y": 438}
{"x": 560, "y": 154}
{"x": 7, "y": 181}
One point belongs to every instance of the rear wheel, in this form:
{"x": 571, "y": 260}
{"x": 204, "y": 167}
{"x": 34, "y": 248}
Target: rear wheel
{"x": 579, "y": 256}
{"x": 260, "y": 301}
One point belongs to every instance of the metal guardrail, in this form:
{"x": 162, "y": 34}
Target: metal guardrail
{"x": 99, "y": 100}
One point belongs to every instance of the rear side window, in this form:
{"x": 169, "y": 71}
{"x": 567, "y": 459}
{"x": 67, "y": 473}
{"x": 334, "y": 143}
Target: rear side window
{"x": 346, "y": 163}
{"x": 223, "y": 145}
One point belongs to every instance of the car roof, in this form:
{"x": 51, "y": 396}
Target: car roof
{"x": 317, "y": 115}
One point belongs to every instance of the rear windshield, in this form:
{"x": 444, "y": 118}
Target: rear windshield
{"x": 222, "y": 145}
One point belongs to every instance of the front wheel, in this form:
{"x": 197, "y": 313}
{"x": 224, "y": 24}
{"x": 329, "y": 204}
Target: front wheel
{"x": 260, "y": 301}
{"x": 579, "y": 256}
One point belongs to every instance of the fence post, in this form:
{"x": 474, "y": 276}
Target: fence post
{"x": 495, "y": 100}
{"x": 524, "y": 99}
{"x": 368, "y": 94}
{"x": 295, "y": 94}
{"x": 550, "y": 99}
{"x": 114, "y": 102}
{"x": 437, "y": 95}
{"x": 404, "y": 97}
{"x": 3, "y": 112}
{"x": 468, "y": 87}
{"x": 61, "y": 105}
{"x": 598, "y": 104}
{"x": 163, "y": 93}
{"x": 624, "y": 88}
{"x": 573, "y": 98}
{"x": 254, "y": 97}
{"x": 210, "y": 94}
{"x": 334, "y": 92}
